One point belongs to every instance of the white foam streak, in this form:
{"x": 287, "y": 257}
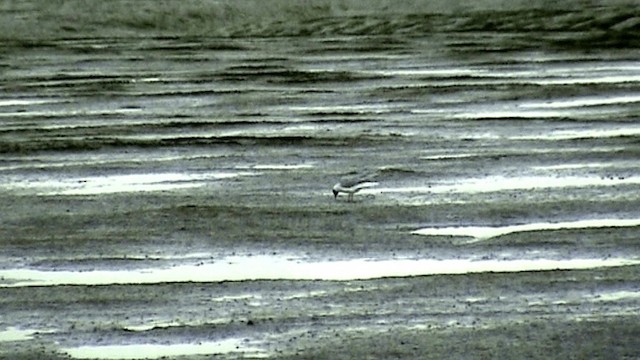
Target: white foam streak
{"x": 580, "y": 102}
{"x": 508, "y": 114}
{"x": 358, "y": 108}
{"x": 449, "y": 156}
{"x": 429, "y": 72}
{"x": 613, "y": 79}
{"x": 276, "y": 166}
{"x": 479, "y": 76}
{"x": 156, "y": 351}
{"x": 242, "y": 268}
{"x": 502, "y": 183}
{"x": 593, "y": 165}
{"x": 25, "y": 102}
{"x": 110, "y": 184}
{"x": 617, "y": 296}
{"x": 152, "y": 325}
{"x": 488, "y": 232}
{"x": 14, "y": 334}
{"x": 70, "y": 113}
{"x": 581, "y": 134}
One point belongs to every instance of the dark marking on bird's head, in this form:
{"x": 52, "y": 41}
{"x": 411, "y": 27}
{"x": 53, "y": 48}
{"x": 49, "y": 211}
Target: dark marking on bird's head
{"x": 335, "y": 194}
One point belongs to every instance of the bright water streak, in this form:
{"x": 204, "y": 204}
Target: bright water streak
{"x": 156, "y": 351}
{"x": 242, "y": 268}
{"x": 488, "y": 232}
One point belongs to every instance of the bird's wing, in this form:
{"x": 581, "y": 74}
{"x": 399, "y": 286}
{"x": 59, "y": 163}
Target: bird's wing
{"x": 365, "y": 185}
{"x": 351, "y": 181}
{"x": 348, "y": 182}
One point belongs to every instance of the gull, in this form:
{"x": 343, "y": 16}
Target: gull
{"x": 353, "y": 184}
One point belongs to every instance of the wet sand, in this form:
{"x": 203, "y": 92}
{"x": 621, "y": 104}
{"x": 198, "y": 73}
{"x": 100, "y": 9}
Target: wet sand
{"x": 590, "y": 312}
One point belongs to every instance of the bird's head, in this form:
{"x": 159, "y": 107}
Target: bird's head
{"x": 335, "y": 193}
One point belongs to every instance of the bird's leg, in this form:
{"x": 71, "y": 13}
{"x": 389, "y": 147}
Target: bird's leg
{"x": 350, "y": 197}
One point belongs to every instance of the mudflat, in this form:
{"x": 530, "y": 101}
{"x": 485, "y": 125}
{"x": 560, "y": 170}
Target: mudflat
{"x": 165, "y": 183}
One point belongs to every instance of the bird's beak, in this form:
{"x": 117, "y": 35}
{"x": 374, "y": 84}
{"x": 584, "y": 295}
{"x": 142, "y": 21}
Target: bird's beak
{"x": 335, "y": 194}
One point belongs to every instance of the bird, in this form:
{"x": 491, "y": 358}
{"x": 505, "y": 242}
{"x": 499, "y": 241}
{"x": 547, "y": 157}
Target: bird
{"x": 353, "y": 184}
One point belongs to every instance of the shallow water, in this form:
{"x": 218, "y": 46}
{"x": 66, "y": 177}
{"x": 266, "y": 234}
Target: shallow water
{"x": 156, "y": 351}
{"x": 479, "y": 233}
{"x": 289, "y": 268}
